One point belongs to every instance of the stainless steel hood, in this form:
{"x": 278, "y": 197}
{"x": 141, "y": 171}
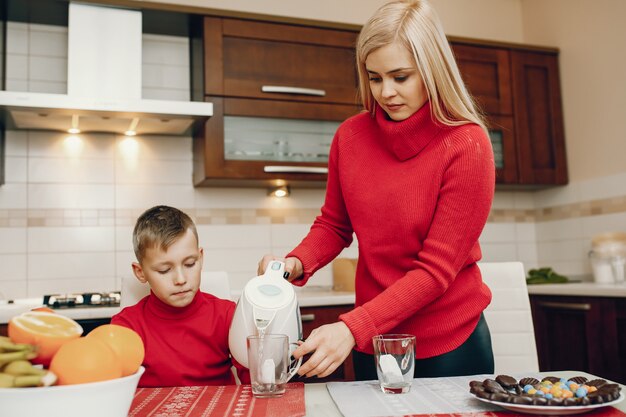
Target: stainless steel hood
{"x": 103, "y": 84}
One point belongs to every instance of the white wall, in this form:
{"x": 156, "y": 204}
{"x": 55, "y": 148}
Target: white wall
{"x": 66, "y": 213}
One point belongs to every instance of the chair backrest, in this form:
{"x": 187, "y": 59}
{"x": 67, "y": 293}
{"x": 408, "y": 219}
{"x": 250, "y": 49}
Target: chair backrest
{"x": 213, "y": 282}
{"x": 509, "y": 318}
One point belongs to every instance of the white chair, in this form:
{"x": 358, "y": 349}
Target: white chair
{"x": 509, "y": 318}
{"x": 213, "y": 282}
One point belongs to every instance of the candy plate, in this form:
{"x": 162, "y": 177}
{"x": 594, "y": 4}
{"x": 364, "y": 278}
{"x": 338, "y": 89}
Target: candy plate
{"x": 550, "y": 410}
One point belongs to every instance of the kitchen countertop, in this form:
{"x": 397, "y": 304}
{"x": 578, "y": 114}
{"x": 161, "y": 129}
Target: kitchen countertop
{"x": 308, "y": 297}
{"x": 588, "y": 289}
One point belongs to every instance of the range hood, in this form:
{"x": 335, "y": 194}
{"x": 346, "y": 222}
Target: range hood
{"x": 103, "y": 84}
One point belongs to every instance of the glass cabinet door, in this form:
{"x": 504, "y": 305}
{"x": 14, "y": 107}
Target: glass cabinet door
{"x": 504, "y": 152}
{"x": 275, "y": 139}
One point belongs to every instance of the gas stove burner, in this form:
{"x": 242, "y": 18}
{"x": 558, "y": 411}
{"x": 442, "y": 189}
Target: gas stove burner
{"x": 90, "y": 299}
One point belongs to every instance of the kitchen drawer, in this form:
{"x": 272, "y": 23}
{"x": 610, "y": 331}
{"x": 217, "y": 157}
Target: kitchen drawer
{"x": 275, "y": 61}
{"x": 314, "y": 317}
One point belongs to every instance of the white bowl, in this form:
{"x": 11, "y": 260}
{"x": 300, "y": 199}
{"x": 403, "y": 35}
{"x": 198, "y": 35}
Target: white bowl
{"x": 111, "y": 398}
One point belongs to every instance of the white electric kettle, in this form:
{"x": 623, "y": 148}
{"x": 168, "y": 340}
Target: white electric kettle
{"x": 267, "y": 305}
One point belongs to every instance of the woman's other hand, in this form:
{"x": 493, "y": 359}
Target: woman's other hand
{"x": 293, "y": 266}
{"x": 331, "y": 344}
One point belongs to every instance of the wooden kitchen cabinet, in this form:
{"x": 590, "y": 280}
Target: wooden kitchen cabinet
{"x": 581, "y": 333}
{"x": 278, "y": 61}
{"x": 487, "y": 72}
{"x": 518, "y": 88}
{"x": 214, "y": 165}
{"x": 274, "y": 87}
{"x": 538, "y": 118}
{"x": 314, "y": 317}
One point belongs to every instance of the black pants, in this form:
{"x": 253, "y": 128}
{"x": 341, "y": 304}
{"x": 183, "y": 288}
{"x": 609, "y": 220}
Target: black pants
{"x": 474, "y": 356}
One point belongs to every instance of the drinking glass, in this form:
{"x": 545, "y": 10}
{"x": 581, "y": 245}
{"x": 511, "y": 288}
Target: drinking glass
{"x": 395, "y": 361}
{"x": 270, "y": 365}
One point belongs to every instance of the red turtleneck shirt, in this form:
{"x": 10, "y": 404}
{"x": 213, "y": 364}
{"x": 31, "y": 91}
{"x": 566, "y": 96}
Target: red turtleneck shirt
{"x": 184, "y": 346}
{"x": 417, "y": 195}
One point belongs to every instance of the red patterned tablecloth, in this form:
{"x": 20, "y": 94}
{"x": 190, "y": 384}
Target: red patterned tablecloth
{"x": 211, "y": 401}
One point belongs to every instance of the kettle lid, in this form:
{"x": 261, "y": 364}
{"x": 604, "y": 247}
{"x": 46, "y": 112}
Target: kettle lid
{"x": 270, "y": 291}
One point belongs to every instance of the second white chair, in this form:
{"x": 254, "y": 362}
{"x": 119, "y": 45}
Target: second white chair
{"x": 509, "y": 318}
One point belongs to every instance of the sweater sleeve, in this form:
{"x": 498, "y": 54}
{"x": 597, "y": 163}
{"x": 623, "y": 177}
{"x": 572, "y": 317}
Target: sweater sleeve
{"x": 463, "y": 205}
{"x": 331, "y": 231}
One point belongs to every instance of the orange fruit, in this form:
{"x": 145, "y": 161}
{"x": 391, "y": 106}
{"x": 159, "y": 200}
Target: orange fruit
{"x": 48, "y": 309}
{"x": 47, "y": 331}
{"x": 86, "y": 359}
{"x": 125, "y": 342}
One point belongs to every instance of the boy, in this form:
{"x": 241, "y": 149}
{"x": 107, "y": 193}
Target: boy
{"x": 185, "y": 331}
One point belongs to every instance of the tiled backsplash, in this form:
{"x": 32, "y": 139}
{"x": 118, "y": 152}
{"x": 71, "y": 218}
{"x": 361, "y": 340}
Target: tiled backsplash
{"x": 68, "y": 205}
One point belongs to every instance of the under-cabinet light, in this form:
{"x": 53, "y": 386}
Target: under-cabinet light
{"x": 279, "y": 192}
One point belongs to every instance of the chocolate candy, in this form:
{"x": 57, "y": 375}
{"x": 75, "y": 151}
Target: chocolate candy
{"x": 551, "y": 391}
{"x": 492, "y": 386}
{"x": 579, "y": 380}
{"x": 555, "y": 401}
{"x": 506, "y": 381}
{"x": 473, "y": 383}
{"x": 570, "y": 401}
{"x": 522, "y": 400}
{"x": 596, "y": 383}
{"x": 500, "y": 396}
{"x": 528, "y": 381}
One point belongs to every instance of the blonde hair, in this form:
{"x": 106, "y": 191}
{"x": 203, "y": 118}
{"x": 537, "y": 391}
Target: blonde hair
{"x": 160, "y": 226}
{"x": 415, "y": 25}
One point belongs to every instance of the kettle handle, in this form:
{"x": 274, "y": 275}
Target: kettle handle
{"x": 275, "y": 269}
{"x": 294, "y": 365}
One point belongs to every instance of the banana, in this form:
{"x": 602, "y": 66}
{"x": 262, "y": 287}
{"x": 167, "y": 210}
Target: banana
{"x": 15, "y": 356}
{"x": 6, "y": 380}
{"x": 10, "y": 381}
{"x": 7, "y": 346}
{"x": 45, "y": 380}
{"x": 22, "y": 367}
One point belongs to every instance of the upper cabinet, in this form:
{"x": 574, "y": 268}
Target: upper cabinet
{"x": 519, "y": 91}
{"x": 280, "y": 90}
{"x": 488, "y": 73}
{"x": 539, "y": 118}
{"x": 279, "y": 93}
{"x": 278, "y": 61}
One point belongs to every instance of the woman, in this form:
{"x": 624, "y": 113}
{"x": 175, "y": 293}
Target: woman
{"x": 413, "y": 178}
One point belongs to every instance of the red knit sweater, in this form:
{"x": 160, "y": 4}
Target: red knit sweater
{"x": 184, "y": 346}
{"x": 417, "y": 195}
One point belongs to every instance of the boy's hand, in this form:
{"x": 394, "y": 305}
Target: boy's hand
{"x": 293, "y": 266}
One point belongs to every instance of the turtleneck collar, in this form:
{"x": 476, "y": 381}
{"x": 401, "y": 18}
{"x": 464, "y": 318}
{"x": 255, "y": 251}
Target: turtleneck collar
{"x": 406, "y": 138}
{"x": 168, "y": 312}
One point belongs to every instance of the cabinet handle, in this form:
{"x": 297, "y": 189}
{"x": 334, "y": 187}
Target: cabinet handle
{"x": 295, "y": 169}
{"x": 308, "y": 317}
{"x": 566, "y": 306}
{"x": 292, "y": 90}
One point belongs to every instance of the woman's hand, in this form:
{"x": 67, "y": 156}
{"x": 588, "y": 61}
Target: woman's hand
{"x": 293, "y": 266}
{"x": 331, "y": 344}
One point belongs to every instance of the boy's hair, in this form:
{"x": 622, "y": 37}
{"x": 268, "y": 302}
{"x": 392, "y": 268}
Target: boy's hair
{"x": 414, "y": 24}
{"x": 160, "y": 226}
